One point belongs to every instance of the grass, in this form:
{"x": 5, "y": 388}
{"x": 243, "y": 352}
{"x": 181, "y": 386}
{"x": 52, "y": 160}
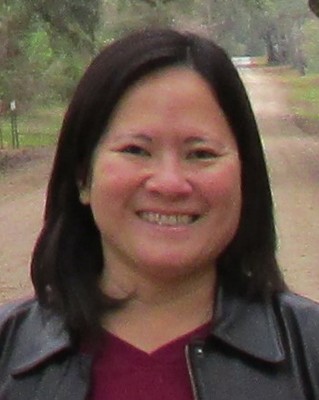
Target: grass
{"x": 303, "y": 93}
{"x": 37, "y": 127}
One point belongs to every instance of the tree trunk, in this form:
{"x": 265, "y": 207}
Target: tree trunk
{"x": 272, "y": 48}
{"x": 314, "y": 6}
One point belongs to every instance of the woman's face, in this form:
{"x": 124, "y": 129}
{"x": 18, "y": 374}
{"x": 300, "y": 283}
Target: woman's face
{"x": 166, "y": 189}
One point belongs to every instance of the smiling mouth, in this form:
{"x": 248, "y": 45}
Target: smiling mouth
{"x": 168, "y": 220}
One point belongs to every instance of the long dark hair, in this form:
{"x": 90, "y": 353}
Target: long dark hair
{"x": 67, "y": 261}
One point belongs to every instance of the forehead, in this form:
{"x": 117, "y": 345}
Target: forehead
{"x": 175, "y": 102}
{"x": 172, "y": 91}
{"x": 169, "y": 81}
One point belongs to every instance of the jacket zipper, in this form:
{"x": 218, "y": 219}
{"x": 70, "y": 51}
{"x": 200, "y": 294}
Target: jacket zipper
{"x": 190, "y": 372}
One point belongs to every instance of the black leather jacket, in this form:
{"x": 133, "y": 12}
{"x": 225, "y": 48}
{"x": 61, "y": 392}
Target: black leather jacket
{"x": 256, "y": 351}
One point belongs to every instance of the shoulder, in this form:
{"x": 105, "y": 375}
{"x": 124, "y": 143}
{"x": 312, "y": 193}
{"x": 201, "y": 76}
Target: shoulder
{"x": 300, "y": 320}
{"x": 25, "y": 317}
{"x": 35, "y": 350}
{"x": 14, "y": 317}
{"x": 15, "y": 310}
{"x": 29, "y": 335}
{"x": 298, "y": 307}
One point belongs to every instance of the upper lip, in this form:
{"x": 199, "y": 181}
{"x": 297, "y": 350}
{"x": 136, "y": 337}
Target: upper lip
{"x": 168, "y": 212}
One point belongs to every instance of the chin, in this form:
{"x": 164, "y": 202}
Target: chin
{"x": 173, "y": 267}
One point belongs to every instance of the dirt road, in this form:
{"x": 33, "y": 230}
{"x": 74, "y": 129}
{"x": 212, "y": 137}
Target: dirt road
{"x": 22, "y": 193}
{"x": 293, "y": 159}
{"x": 294, "y": 168}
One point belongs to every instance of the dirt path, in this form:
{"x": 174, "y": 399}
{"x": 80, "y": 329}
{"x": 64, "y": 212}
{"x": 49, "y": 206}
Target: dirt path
{"x": 22, "y": 192}
{"x": 294, "y": 167}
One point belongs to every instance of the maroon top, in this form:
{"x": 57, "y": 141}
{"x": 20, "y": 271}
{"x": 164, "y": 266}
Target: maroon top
{"x": 123, "y": 372}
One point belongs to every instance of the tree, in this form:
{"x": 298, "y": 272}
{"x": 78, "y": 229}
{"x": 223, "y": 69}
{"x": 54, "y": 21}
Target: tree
{"x": 310, "y": 44}
{"x": 314, "y": 6}
{"x": 73, "y": 20}
{"x": 45, "y": 45}
{"x": 279, "y": 23}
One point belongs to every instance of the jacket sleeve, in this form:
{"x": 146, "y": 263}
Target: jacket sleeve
{"x": 300, "y": 317}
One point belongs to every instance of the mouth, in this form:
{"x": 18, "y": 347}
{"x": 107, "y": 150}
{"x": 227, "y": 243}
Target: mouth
{"x": 168, "y": 219}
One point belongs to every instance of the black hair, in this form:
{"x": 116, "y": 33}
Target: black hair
{"x": 67, "y": 260}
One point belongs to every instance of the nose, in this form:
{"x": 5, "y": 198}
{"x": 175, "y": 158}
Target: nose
{"x": 169, "y": 178}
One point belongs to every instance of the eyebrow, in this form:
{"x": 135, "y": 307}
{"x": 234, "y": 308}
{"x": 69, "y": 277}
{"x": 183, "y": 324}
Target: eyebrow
{"x": 193, "y": 139}
{"x": 203, "y": 139}
{"x": 140, "y": 136}
{"x": 197, "y": 139}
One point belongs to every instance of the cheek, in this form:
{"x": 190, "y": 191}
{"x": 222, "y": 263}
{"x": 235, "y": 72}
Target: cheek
{"x": 224, "y": 184}
{"x": 110, "y": 170}
{"x": 112, "y": 181}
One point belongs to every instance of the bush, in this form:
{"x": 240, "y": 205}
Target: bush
{"x": 310, "y": 45}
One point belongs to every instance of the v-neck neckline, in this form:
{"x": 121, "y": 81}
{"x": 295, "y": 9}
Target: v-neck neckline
{"x": 168, "y": 352}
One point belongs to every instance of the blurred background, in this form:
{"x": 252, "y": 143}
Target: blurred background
{"x": 46, "y": 44}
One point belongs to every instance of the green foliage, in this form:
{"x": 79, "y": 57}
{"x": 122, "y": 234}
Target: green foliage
{"x": 36, "y": 47}
{"x": 62, "y": 77}
{"x": 75, "y": 20}
{"x": 45, "y": 44}
{"x": 310, "y": 45}
{"x": 121, "y": 16}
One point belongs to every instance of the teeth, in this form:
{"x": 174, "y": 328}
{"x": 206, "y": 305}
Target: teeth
{"x": 171, "y": 220}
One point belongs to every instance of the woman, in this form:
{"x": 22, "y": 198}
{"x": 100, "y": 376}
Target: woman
{"x": 158, "y": 237}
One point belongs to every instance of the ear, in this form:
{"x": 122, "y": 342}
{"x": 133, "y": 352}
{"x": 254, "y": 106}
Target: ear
{"x": 84, "y": 194}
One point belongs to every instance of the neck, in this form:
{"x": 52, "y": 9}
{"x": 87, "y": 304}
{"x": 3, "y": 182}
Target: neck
{"x": 161, "y": 312}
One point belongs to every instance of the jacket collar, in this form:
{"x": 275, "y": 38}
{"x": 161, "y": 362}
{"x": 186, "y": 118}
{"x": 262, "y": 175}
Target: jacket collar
{"x": 40, "y": 336}
{"x": 250, "y": 327}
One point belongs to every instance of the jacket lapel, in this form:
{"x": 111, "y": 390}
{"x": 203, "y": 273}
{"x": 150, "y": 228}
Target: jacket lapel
{"x": 248, "y": 326}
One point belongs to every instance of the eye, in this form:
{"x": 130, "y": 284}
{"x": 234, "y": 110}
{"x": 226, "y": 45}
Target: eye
{"x": 135, "y": 150}
{"x": 202, "y": 155}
